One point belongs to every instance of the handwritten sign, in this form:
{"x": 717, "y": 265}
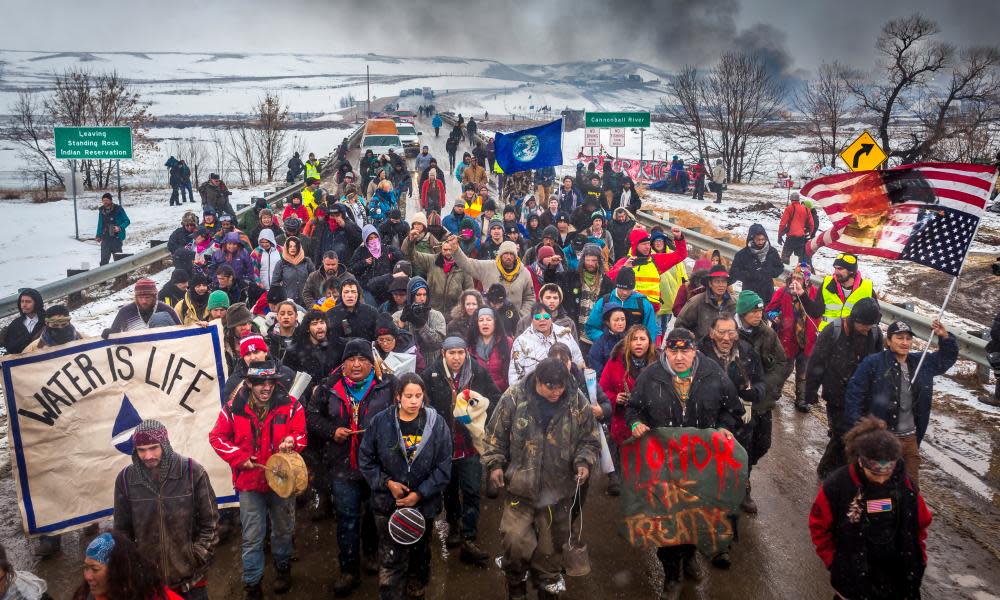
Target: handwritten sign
{"x": 682, "y": 486}
{"x": 641, "y": 171}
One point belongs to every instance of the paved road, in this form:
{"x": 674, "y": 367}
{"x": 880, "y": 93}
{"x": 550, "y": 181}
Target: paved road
{"x": 773, "y": 559}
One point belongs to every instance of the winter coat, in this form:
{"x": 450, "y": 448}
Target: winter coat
{"x": 442, "y": 200}
{"x": 874, "y": 388}
{"x": 239, "y": 435}
{"x": 178, "y": 239}
{"x": 300, "y": 212}
{"x": 785, "y": 307}
{"x": 383, "y": 458}
{"x": 638, "y": 311}
{"x": 312, "y": 291}
{"x": 755, "y": 274}
{"x": 571, "y": 283}
{"x": 837, "y": 353}
{"x": 190, "y": 310}
{"x": 767, "y": 346}
{"x": 382, "y": 265}
{"x": 699, "y": 312}
{"x": 713, "y": 402}
{"x": 436, "y": 121}
{"x": 16, "y": 336}
{"x": 331, "y": 408}
{"x": 600, "y": 351}
{"x": 614, "y": 379}
{"x": 520, "y": 289}
{"x": 796, "y": 221}
{"x": 291, "y": 273}
{"x": 648, "y": 272}
{"x": 130, "y": 319}
{"x": 216, "y": 197}
{"x": 342, "y": 240}
{"x": 239, "y": 260}
{"x": 441, "y": 396}
{"x": 496, "y": 363}
{"x": 422, "y": 161}
{"x": 317, "y": 360}
{"x": 393, "y": 234}
{"x": 540, "y": 464}
{"x": 109, "y": 218}
{"x": 531, "y": 348}
{"x": 568, "y": 200}
{"x": 619, "y": 236}
{"x": 265, "y": 262}
{"x": 445, "y": 288}
{"x": 380, "y": 203}
{"x": 173, "y": 521}
{"x": 346, "y": 323}
{"x": 844, "y": 535}
{"x": 475, "y": 175}
{"x": 745, "y": 373}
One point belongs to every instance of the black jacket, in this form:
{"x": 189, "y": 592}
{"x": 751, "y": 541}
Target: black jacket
{"x": 383, "y": 458}
{"x": 344, "y": 324}
{"x": 383, "y": 265}
{"x": 747, "y": 374}
{"x": 569, "y": 282}
{"x": 344, "y": 241}
{"x": 178, "y": 239}
{"x": 16, "y": 337}
{"x": 439, "y": 391}
{"x": 316, "y": 360}
{"x": 393, "y": 234}
{"x": 713, "y": 401}
{"x": 330, "y": 409}
{"x": 836, "y": 354}
{"x": 756, "y": 275}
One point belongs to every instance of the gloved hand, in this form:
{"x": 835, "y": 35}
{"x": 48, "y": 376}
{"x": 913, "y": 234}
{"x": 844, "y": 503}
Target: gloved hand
{"x": 106, "y": 333}
{"x": 747, "y": 411}
{"x": 781, "y": 239}
{"x": 416, "y": 314}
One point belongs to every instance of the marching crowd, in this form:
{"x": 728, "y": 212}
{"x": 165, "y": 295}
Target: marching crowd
{"x": 448, "y": 357}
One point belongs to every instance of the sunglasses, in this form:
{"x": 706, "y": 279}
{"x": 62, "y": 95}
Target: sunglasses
{"x": 542, "y": 316}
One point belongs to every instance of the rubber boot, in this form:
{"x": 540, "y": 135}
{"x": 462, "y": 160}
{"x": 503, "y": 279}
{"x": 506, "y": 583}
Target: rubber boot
{"x": 748, "y": 505}
{"x": 454, "y": 539}
{"x": 283, "y": 579}
{"x": 473, "y": 554}
{"x": 252, "y": 591}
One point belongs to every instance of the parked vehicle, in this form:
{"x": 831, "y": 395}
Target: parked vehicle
{"x": 381, "y": 135}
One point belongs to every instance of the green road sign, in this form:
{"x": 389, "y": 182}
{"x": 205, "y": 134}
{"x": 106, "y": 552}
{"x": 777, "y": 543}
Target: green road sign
{"x": 617, "y": 119}
{"x": 96, "y": 143}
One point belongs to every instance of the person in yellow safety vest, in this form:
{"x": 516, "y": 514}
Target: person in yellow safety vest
{"x": 309, "y": 193}
{"x": 648, "y": 266}
{"x": 312, "y": 168}
{"x": 843, "y": 289}
{"x": 473, "y": 202}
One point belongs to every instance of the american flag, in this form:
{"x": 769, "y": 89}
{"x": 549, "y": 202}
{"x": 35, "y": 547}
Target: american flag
{"x": 878, "y": 506}
{"x": 926, "y": 213}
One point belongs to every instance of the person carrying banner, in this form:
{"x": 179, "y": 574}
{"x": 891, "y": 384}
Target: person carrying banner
{"x": 165, "y": 503}
{"x": 682, "y": 388}
{"x": 541, "y": 443}
{"x": 838, "y": 350}
{"x": 888, "y": 386}
{"x": 341, "y": 411}
{"x": 27, "y": 326}
{"x": 843, "y": 289}
{"x": 136, "y": 316}
{"x": 869, "y": 522}
{"x": 413, "y": 478}
{"x": 261, "y": 420}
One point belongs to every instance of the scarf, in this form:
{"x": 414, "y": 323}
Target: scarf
{"x": 589, "y": 279}
{"x": 447, "y": 264}
{"x": 375, "y": 247}
{"x": 508, "y": 277}
{"x": 290, "y": 258}
{"x": 483, "y": 348}
{"x": 637, "y": 364}
{"x": 358, "y": 390}
{"x": 760, "y": 253}
{"x": 57, "y": 337}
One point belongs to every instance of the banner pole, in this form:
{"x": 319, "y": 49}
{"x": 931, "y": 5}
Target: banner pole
{"x": 951, "y": 288}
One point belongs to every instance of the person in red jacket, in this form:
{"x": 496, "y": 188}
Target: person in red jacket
{"x": 795, "y": 228}
{"x": 432, "y": 194}
{"x": 795, "y": 312}
{"x": 649, "y": 265}
{"x": 296, "y": 208}
{"x": 261, "y": 419}
{"x": 869, "y": 523}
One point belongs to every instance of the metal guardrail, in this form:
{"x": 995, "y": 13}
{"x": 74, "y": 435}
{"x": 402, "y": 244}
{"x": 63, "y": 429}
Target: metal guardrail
{"x": 969, "y": 346}
{"x": 119, "y": 268}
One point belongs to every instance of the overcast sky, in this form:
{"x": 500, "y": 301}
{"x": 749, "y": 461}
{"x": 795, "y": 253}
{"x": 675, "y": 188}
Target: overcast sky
{"x": 796, "y": 34}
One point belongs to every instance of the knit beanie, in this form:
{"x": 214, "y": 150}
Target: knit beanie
{"x": 625, "y": 280}
{"x": 846, "y": 261}
{"x": 507, "y": 247}
{"x": 145, "y": 286}
{"x": 218, "y": 299}
{"x": 179, "y": 276}
{"x": 747, "y": 301}
{"x": 276, "y": 294}
{"x": 545, "y": 252}
{"x": 252, "y": 343}
{"x": 238, "y": 314}
{"x": 358, "y": 347}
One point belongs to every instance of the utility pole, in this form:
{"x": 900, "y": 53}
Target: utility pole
{"x": 368, "y": 93}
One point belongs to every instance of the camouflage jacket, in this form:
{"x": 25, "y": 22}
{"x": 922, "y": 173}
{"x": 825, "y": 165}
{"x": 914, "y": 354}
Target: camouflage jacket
{"x": 540, "y": 465}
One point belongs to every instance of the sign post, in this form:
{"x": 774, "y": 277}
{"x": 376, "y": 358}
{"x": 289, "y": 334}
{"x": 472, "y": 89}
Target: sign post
{"x": 617, "y": 139}
{"x": 592, "y": 138}
{"x": 92, "y": 143}
{"x": 863, "y": 154}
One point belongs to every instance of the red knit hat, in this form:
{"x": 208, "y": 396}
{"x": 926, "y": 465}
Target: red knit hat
{"x": 145, "y": 286}
{"x": 252, "y": 343}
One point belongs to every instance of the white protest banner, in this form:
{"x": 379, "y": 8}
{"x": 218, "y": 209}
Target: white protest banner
{"x": 72, "y": 410}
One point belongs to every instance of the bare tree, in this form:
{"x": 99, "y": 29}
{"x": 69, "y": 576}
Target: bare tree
{"x": 825, "y": 103}
{"x": 31, "y": 130}
{"x": 242, "y": 151}
{"x": 685, "y": 128}
{"x": 271, "y": 132}
{"x": 741, "y": 101}
{"x": 116, "y": 103}
{"x": 900, "y": 90}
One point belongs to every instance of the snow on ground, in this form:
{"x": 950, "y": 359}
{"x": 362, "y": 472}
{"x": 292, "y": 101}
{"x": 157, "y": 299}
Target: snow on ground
{"x": 42, "y": 245}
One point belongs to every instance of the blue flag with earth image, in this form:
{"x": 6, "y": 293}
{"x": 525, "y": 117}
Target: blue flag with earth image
{"x": 530, "y": 148}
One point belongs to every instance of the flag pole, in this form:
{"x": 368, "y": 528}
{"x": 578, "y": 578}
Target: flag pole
{"x": 951, "y": 288}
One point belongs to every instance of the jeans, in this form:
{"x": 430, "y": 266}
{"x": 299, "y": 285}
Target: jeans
{"x": 798, "y": 364}
{"x": 796, "y": 246}
{"x": 699, "y": 188}
{"x": 255, "y": 508}
{"x": 834, "y": 456}
{"x": 109, "y": 245}
{"x": 402, "y": 566}
{"x": 355, "y": 522}
{"x": 174, "y": 195}
{"x": 187, "y": 192}
{"x": 461, "y": 497}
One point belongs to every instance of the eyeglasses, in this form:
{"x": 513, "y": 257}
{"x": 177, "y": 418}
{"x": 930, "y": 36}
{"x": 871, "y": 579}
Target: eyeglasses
{"x": 726, "y": 334}
{"x": 542, "y": 316}
{"x": 554, "y": 386}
